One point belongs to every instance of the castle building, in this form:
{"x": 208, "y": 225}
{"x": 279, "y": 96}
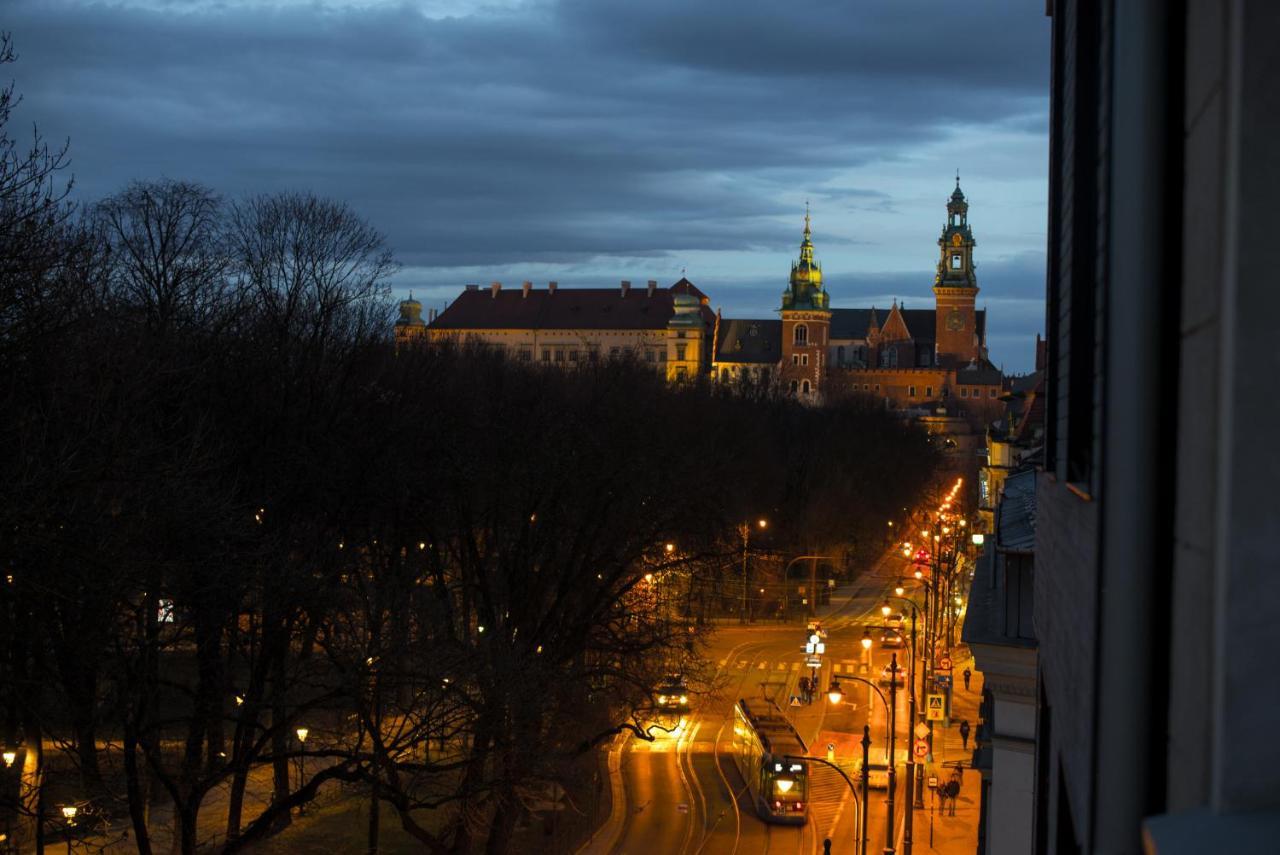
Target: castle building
{"x": 668, "y": 328}
{"x": 910, "y": 359}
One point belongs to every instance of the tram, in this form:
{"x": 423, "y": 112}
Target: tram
{"x": 765, "y": 750}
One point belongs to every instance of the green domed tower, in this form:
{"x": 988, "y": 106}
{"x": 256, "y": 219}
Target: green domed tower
{"x": 806, "y": 324}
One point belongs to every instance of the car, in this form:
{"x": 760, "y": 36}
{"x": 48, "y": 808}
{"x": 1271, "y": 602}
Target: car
{"x": 891, "y": 639}
{"x": 673, "y": 695}
{"x": 883, "y": 679}
{"x": 894, "y": 621}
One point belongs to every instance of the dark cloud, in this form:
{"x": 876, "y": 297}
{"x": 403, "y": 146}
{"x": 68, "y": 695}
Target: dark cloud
{"x": 556, "y": 133}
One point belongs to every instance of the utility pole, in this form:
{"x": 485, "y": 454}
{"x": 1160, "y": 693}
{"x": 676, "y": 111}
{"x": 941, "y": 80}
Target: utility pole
{"x": 866, "y": 761}
{"x": 893, "y": 766}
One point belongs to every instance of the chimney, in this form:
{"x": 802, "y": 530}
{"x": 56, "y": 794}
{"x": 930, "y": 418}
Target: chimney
{"x": 524, "y": 288}
{"x": 472, "y": 287}
{"x": 653, "y": 286}
{"x": 551, "y": 286}
{"x": 626, "y": 286}
{"x": 495, "y": 287}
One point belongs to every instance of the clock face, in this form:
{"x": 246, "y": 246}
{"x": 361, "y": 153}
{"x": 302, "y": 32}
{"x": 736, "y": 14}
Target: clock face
{"x": 955, "y": 320}
{"x": 956, "y": 240}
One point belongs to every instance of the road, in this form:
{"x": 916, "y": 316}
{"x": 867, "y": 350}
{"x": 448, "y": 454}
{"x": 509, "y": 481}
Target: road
{"x": 683, "y": 793}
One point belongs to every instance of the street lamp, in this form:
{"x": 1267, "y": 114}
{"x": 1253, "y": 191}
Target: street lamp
{"x": 69, "y": 814}
{"x": 834, "y": 694}
{"x": 9, "y": 757}
{"x": 302, "y": 762}
{"x": 899, "y": 588}
{"x": 746, "y": 539}
{"x": 866, "y": 639}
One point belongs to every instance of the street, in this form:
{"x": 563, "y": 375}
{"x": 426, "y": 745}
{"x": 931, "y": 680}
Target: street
{"x": 683, "y": 793}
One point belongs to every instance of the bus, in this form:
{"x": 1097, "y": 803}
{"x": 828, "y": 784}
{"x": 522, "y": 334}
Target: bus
{"x": 766, "y": 750}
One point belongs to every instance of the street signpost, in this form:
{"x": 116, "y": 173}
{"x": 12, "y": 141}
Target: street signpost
{"x": 935, "y": 708}
{"x": 944, "y": 664}
{"x": 922, "y": 730}
{"x": 921, "y": 748}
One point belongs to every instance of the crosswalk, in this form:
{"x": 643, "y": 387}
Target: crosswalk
{"x": 842, "y": 666}
{"x": 828, "y": 794}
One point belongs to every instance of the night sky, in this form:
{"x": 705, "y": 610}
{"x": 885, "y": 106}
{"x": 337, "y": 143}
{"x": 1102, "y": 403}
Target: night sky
{"x": 586, "y": 141}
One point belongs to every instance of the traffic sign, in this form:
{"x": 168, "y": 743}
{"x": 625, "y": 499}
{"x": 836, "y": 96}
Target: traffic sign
{"x": 813, "y": 662}
{"x": 921, "y": 748}
{"x": 945, "y": 663}
{"x": 922, "y": 730}
{"x": 934, "y": 708}
{"x": 943, "y": 680}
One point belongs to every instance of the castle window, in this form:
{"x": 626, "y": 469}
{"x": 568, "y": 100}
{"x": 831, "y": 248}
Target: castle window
{"x": 680, "y": 350}
{"x": 662, "y": 355}
{"x": 928, "y": 391}
{"x": 911, "y": 391}
{"x": 877, "y": 387}
{"x": 526, "y": 355}
{"x": 866, "y": 387}
{"x": 795, "y": 359}
{"x": 804, "y": 387}
{"x": 546, "y": 354}
{"x": 794, "y": 387}
{"x": 964, "y": 391}
{"x": 802, "y": 334}
{"x": 573, "y": 356}
{"x": 593, "y": 354}
{"x": 840, "y": 355}
{"x": 804, "y": 359}
{"x": 559, "y": 355}
{"x": 648, "y": 355}
{"x": 955, "y": 262}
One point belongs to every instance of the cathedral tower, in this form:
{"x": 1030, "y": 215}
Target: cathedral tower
{"x": 955, "y": 287}
{"x": 806, "y": 324}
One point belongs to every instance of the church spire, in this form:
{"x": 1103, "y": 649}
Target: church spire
{"x": 805, "y": 288}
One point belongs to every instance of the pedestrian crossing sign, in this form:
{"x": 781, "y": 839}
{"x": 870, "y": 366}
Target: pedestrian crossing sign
{"x": 934, "y": 709}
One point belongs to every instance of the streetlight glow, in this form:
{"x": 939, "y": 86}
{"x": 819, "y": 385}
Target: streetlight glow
{"x": 69, "y": 812}
{"x": 835, "y": 694}
{"x": 762, "y": 523}
{"x": 302, "y": 734}
{"x": 671, "y": 547}
{"x": 886, "y": 608}
{"x": 866, "y": 639}
{"x": 9, "y": 757}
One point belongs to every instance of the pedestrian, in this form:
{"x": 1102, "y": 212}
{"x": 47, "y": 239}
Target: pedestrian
{"x": 967, "y": 675}
{"x": 964, "y": 734}
{"x": 953, "y": 792}
{"x": 804, "y": 689}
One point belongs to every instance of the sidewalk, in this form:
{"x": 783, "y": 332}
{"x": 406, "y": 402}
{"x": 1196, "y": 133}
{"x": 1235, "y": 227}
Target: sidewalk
{"x": 958, "y": 834}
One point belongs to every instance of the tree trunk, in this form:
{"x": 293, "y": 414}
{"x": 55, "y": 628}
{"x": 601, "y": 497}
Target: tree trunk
{"x": 136, "y": 792}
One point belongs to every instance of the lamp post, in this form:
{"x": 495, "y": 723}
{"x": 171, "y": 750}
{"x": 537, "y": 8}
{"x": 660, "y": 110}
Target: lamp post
{"x": 302, "y": 763}
{"x": 893, "y": 764}
{"x": 69, "y": 814}
{"x": 745, "y": 529}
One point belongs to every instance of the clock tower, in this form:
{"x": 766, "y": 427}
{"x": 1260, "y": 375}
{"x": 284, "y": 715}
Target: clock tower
{"x": 955, "y": 287}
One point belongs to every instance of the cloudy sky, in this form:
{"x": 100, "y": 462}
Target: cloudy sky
{"x": 586, "y": 141}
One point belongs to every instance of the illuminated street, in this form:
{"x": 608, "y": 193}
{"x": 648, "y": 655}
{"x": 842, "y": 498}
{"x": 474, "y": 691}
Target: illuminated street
{"x": 683, "y": 793}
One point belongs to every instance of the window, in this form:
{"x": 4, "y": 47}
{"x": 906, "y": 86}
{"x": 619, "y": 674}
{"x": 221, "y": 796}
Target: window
{"x": 993, "y": 393}
{"x": 526, "y": 355}
{"x": 804, "y": 387}
{"x": 724, "y": 374}
{"x": 804, "y": 359}
{"x": 795, "y": 359}
{"x": 680, "y": 351}
{"x": 662, "y": 355}
{"x": 866, "y": 387}
{"x": 680, "y": 334}
{"x": 928, "y": 391}
{"x": 573, "y": 356}
{"x": 877, "y": 387}
{"x": 840, "y": 355}
{"x": 559, "y": 354}
{"x": 615, "y": 352}
{"x": 546, "y": 354}
{"x": 593, "y": 354}
{"x": 964, "y": 391}
{"x": 802, "y": 333}
{"x": 955, "y": 261}
{"x": 649, "y": 355}
{"x": 911, "y": 391}
{"x": 794, "y": 387}
{"x": 682, "y": 373}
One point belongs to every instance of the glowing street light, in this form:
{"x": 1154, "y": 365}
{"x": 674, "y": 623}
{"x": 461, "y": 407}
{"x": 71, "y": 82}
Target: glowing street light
{"x": 671, "y": 547}
{"x": 835, "y": 694}
{"x": 866, "y": 639}
{"x": 302, "y": 734}
{"x": 9, "y": 757}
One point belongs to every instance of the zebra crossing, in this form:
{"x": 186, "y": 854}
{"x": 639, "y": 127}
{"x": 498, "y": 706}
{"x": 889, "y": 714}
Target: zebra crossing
{"x": 842, "y": 666}
{"x": 828, "y": 794}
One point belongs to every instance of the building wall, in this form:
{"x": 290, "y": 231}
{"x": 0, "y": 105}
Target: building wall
{"x": 808, "y": 361}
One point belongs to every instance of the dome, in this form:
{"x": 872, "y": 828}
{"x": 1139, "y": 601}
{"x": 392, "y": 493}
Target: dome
{"x": 685, "y": 301}
{"x": 410, "y": 313}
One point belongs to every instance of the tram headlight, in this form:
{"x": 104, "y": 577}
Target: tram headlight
{"x": 684, "y": 699}
{"x": 784, "y": 785}
{"x": 662, "y": 699}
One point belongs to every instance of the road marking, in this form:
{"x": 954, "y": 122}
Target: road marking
{"x": 763, "y": 665}
{"x": 742, "y": 664}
